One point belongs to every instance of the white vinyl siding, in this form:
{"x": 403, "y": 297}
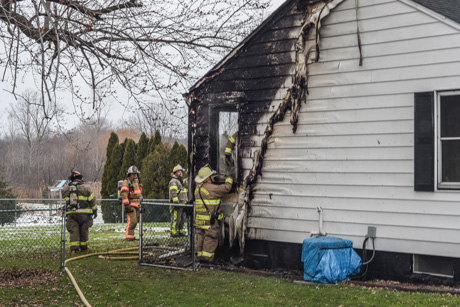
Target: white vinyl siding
{"x": 353, "y": 152}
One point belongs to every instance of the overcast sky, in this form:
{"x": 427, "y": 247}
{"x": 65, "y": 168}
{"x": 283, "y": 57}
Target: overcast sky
{"x": 116, "y": 113}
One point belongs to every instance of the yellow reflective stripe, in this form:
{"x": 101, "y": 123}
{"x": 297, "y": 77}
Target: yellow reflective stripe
{"x": 210, "y": 202}
{"x": 203, "y": 226}
{"x": 87, "y": 210}
{"x": 174, "y": 224}
{"x": 94, "y": 207}
{"x": 66, "y": 199}
{"x": 229, "y": 180}
{"x": 228, "y": 150}
{"x": 76, "y": 243}
{"x": 206, "y": 254}
{"x": 84, "y": 198}
{"x": 199, "y": 254}
{"x": 183, "y": 191}
{"x": 203, "y": 217}
{"x": 205, "y": 191}
{"x": 174, "y": 187}
{"x": 175, "y": 199}
{"x": 221, "y": 216}
{"x": 91, "y": 197}
{"x": 232, "y": 139}
{"x": 84, "y": 243}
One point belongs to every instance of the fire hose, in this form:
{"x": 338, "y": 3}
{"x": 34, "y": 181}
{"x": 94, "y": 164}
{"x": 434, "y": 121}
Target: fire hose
{"x": 106, "y": 256}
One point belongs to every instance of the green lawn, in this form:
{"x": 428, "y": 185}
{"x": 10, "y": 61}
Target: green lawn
{"x": 125, "y": 283}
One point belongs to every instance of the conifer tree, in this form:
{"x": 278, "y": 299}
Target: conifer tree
{"x": 154, "y": 141}
{"x": 123, "y": 145}
{"x": 178, "y": 155}
{"x": 6, "y": 192}
{"x": 112, "y": 141}
{"x": 142, "y": 150}
{"x": 129, "y": 158}
{"x": 155, "y": 185}
{"x": 111, "y": 211}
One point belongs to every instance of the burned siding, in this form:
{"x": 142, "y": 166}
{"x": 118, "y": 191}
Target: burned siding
{"x": 248, "y": 83}
{"x": 353, "y": 153}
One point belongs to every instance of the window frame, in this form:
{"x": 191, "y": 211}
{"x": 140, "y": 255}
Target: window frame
{"x": 439, "y": 185}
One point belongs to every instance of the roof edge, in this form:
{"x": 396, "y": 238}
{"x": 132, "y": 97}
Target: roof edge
{"x": 215, "y": 69}
{"x": 432, "y": 13}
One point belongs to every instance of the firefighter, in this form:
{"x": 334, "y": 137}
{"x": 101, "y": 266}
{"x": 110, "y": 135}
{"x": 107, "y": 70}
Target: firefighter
{"x": 229, "y": 149}
{"x": 209, "y": 212}
{"x": 178, "y": 194}
{"x": 81, "y": 208}
{"x": 131, "y": 195}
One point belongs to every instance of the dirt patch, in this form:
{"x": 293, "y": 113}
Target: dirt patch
{"x": 297, "y": 277}
{"x": 25, "y": 278}
{"x": 406, "y": 287}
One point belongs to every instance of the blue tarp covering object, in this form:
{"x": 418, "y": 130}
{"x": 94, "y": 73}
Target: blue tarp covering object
{"x": 329, "y": 260}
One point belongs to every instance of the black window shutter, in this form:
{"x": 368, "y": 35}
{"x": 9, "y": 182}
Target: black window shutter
{"x": 424, "y": 142}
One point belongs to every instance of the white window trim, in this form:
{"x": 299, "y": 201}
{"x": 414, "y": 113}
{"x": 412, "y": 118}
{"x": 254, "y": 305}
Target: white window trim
{"x": 438, "y": 144}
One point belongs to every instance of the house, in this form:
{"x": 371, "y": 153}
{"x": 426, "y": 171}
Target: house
{"x": 348, "y": 108}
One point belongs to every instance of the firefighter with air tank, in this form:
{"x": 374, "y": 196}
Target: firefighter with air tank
{"x": 178, "y": 194}
{"x": 131, "y": 196}
{"x": 209, "y": 213}
{"x": 81, "y": 208}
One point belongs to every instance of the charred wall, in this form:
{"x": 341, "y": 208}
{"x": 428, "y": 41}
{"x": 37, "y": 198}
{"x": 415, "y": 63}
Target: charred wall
{"x": 249, "y": 82}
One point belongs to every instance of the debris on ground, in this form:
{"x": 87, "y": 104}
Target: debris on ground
{"x": 297, "y": 277}
{"x": 25, "y": 278}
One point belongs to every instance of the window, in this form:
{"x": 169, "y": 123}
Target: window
{"x": 228, "y": 125}
{"x": 448, "y": 140}
{"x": 437, "y": 141}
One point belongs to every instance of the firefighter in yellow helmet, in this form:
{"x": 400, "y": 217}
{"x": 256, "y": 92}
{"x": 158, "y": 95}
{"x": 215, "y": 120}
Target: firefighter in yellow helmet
{"x": 209, "y": 211}
{"x": 178, "y": 194}
{"x": 131, "y": 195}
{"x": 81, "y": 207}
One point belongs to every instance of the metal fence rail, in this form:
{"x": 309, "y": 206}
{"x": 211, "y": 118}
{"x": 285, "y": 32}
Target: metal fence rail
{"x": 31, "y": 234}
{"x": 157, "y": 246}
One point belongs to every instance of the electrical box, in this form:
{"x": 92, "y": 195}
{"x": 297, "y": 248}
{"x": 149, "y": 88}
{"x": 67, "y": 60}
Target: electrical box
{"x": 371, "y": 231}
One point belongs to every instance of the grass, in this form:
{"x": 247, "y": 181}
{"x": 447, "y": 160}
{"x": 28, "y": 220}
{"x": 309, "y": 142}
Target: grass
{"x": 125, "y": 283}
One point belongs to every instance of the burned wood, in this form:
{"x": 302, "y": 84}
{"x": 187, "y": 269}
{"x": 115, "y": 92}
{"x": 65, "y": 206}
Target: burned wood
{"x": 295, "y": 95}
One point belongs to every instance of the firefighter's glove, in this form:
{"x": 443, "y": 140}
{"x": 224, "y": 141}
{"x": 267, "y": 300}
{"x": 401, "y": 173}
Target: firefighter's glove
{"x": 228, "y": 160}
{"x": 94, "y": 214}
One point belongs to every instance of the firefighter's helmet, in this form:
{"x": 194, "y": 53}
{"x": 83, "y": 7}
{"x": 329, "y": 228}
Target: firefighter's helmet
{"x": 75, "y": 175}
{"x": 132, "y": 170}
{"x": 204, "y": 173}
{"x": 178, "y": 168}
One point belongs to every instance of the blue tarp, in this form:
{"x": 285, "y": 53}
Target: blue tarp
{"x": 329, "y": 260}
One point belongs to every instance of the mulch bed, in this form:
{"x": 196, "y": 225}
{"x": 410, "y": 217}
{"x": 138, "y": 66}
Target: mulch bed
{"x": 25, "y": 278}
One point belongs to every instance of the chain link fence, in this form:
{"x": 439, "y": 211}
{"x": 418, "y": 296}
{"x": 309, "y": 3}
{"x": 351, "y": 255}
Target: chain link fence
{"x": 31, "y": 233}
{"x": 158, "y": 245}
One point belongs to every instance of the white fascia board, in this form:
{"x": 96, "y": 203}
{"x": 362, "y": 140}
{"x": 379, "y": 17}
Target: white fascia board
{"x": 432, "y": 13}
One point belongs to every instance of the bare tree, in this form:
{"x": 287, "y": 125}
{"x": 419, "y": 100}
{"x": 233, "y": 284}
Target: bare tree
{"x": 30, "y": 127}
{"x": 152, "y": 48}
{"x": 153, "y": 116}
